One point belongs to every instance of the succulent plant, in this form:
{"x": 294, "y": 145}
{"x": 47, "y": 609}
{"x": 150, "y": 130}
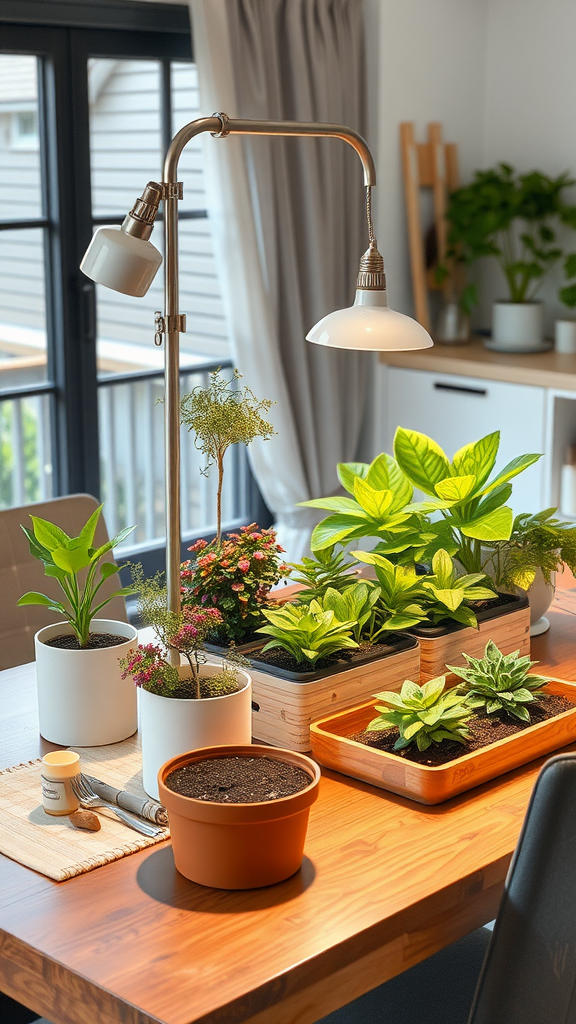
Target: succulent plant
{"x": 307, "y": 632}
{"x": 499, "y": 682}
{"x": 423, "y": 714}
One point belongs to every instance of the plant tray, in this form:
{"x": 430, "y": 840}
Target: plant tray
{"x": 507, "y": 625}
{"x": 332, "y": 747}
{"x": 285, "y": 703}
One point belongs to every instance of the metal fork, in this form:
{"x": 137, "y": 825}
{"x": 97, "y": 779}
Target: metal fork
{"x": 88, "y": 798}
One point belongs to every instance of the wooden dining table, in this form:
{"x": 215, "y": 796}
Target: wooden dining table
{"x": 384, "y": 883}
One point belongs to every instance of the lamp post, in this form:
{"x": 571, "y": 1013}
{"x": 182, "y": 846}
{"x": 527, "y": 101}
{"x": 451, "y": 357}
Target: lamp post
{"x": 125, "y": 260}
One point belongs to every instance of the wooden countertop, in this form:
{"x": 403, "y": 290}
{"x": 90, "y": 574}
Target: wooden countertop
{"x": 544, "y": 369}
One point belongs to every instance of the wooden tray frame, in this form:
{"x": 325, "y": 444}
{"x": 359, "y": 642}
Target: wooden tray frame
{"x": 433, "y": 785}
{"x": 286, "y": 708}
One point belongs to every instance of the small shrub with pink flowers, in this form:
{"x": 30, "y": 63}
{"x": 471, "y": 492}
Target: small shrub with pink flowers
{"x": 235, "y": 577}
{"x": 184, "y": 632}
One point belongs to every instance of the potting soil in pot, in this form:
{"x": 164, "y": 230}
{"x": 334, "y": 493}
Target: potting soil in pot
{"x": 484, "y": 729}
{"x": 238, "y": 780}
{"x": 280, "y": 658}
{"x": 69, "y": 641}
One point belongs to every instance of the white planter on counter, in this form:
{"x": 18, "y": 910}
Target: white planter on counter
{"x": 171, "y": 725}
{"x": 82, "y": 699}
{"x": 517, "y": 326}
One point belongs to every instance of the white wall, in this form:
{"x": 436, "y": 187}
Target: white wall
{"x": 426, "y": 62}
{"x": 501, "y": 77}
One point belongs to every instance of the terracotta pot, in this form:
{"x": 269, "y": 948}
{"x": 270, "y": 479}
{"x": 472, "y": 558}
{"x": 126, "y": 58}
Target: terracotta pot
{"x": 239, "y": 846}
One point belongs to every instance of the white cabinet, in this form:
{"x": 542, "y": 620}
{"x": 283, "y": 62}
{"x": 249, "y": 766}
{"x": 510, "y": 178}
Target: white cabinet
{"x": 456, "y": 410}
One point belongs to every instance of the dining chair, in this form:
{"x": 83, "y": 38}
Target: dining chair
{"x": 522, "y": 972}
{"x": 20, "y": 572}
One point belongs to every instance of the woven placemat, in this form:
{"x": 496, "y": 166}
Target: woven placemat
{"x": 51, "y": 845}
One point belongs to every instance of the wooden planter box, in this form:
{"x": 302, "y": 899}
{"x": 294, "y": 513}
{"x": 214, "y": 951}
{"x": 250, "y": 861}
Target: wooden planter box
{"x": 508, "y": 626}
{"x": 285, "y": 703}
{"x": 432, "y": 785}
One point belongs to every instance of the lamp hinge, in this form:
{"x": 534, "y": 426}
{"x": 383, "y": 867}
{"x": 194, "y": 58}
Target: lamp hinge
{"x": 172, "y": 190}
{"x": 168, "y": 325}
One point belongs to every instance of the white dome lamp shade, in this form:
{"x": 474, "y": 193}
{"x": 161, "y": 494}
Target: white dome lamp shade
{"x": 122, "y": 258}
{"x": 370, "y": 325}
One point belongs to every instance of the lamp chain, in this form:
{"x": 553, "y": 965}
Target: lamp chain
{"x": 371, "y": 236}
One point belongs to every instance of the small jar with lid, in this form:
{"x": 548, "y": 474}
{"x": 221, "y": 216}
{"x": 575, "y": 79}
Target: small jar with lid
{"x": 59, "y": 767}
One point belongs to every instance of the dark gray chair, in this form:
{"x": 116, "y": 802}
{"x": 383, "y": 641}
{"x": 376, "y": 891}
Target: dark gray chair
{"x": 524, "y": 972}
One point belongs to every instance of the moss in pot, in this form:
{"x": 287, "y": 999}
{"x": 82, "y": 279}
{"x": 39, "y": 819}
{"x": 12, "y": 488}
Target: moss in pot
{"x": 244, "y": 843}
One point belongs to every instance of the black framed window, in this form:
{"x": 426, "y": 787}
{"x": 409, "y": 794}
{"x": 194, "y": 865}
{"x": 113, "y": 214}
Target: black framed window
{"x": 90, "y": 96}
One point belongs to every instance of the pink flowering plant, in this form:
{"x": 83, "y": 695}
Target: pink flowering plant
{"x": 235, "y": 577}
{"x": 183, "y": 632}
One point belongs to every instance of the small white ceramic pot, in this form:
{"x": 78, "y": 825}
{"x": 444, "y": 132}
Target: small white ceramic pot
{"x": 517, "y": 326}
{"x": 170, "y": 726}
{"x": 82, "y": 699}
{"x": 540, "y": 596}
{"x": 565, "y": 337}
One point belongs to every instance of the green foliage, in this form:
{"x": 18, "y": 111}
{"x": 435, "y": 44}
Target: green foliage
{"x": 308, "y": 633}
{"x": 29, "y": 425}
{"x": 499, "y": 682}
{"x": 407, "y": 599}
{"x": 380, "y": 491}
{"x": 471, "y": 506}
{"x": 325, "y": 569}
{"x": 221, "y": 415}
{"x": 64, "y": 559}
{"x": 356, "y": 604}
{"x": 510, "y": 216}
{"x": 536, "y": 542}
{"x": 423, "y": 714}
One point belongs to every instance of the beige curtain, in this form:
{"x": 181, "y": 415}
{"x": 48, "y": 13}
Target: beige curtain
{"x": 289, "y": 229}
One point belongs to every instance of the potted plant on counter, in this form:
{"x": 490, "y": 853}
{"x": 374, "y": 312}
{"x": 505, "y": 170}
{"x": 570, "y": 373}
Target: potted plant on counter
{"x": 514, "y": 219}
{"x": 237, "y": 573}
{"x": 539, "y": 546}
{"x": 194, "y": 703}
{"x": 432, "y": 741}
{"x": 82, "y": 698}
{"x": 239, "y": 815}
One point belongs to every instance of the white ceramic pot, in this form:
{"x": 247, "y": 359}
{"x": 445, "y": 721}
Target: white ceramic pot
{"x": 82, "y": 699}
{"x": 517, "y": 326}
{"x": 565, "y": 337}
{"x": 170, "y": 725}
{"x": 540, "y": 596}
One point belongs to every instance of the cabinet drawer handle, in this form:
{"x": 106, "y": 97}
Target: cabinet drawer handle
{"x": 461, "y": 388}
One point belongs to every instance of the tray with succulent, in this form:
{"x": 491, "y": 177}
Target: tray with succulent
{"x": 430, "y": 742}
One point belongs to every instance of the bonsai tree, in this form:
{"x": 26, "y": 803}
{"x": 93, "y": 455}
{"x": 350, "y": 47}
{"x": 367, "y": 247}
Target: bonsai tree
{"x": 74, "y": 563}
{"x": 536, "y": 542}
{"x": 185, "y": 632}
{"x": 512, "y": 217}
{"x": 221, "y": 415}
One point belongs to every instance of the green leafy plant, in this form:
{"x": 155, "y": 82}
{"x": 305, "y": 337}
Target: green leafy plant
{"x": 423, "y": 715}
{"x": 356, "y": 604}
{"x": 324, "y": 570}
{"x": 309, "y": 633}
{"x": 234, "y": 576}
{"x": 380, "y": 493}
{"x": 74, "y": 563}
{"x": 471, "y": 507}
{"x": 499, "y": 683}
{"x": 408, "y": 599}
{"x": 512, "y": 217}
{"x": 184, "y": 632}
{"x": 221, "y": 415}
{"x": 536, "y": 542}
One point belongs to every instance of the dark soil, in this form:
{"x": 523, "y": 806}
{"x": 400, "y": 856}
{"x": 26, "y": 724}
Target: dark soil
{"x": 69, "y": 641}
{"x": 238, "y": 780}
{"x": 342, "y": 659}
{"x": 484, "y": 729}
{"x": 484, "y": 610}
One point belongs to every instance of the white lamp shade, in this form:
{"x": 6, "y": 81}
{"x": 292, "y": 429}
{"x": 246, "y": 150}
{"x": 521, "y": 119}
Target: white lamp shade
{"x": 120, "y": 261}
{"x": 369, "y": 326}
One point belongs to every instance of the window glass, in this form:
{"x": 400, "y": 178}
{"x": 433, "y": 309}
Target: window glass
{"x": 21, "y": 192}
{"x": 22, "y": 308}
{"x": 25, "y": 451}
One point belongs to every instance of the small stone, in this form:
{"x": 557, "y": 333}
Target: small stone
{"x": 86, "y": 819}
